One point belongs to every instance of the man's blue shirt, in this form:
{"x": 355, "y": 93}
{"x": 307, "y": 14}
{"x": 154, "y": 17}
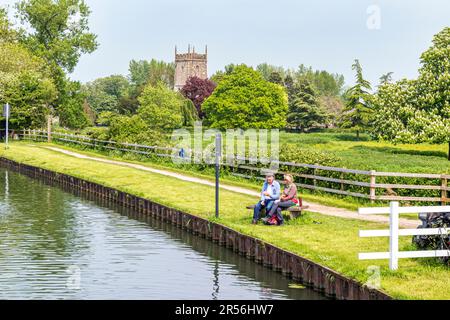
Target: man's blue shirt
{"x": 275, "y": 190}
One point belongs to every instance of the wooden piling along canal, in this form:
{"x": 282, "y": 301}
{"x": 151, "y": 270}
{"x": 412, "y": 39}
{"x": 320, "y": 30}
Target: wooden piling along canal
{"x": 320, "y": 278}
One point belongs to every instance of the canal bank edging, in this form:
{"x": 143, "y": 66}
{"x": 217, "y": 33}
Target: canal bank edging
{"x": 311, "y": 274}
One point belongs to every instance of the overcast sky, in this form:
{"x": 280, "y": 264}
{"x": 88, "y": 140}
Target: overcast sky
{"x": 326, "y": 34}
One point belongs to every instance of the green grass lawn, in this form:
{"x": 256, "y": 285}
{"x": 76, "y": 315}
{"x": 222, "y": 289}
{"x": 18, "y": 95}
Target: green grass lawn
{"x": 373, "y": 155}
{"x": 334, "y": 242}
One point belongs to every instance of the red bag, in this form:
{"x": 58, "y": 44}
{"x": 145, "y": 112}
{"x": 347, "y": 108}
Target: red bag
{"x": 273, "y": 221}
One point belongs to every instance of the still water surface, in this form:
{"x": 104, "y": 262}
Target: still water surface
{"x": 59, "y": 245}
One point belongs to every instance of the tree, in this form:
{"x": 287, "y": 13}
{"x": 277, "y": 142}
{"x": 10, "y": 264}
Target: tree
{"x": 72, "y": 115}
{"x": 219, "y": 75}
{"x": 357, "y": 111}
{"x": 289, "y": 85}
{"x": 275, "y": 77}
{"x": 7, "y": 33}
{"x": 386, "y": 78}
{"x": 138, "y": 72}
{"x": 29, "y": 95}
{"x": 152, "y": 72}
{"x": 267, "y": 71}
{"x": 105, "y": 94}
{"x": 15, "y": 58}
{"x": 416, "y": 111}
{"x": 326, "y": 84}
{"x": 58, "y": 32}
{"x": 305, "y": 111}
{"x": 243, "y": 99}
{"x": 198, "y": 90}
{"x": 433, "y": 87}
{"x": 25, "y": 84}
{"x": 333, "y": 106}
{"x": 161, "y": 107}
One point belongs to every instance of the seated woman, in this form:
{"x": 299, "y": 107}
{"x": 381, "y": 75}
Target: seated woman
{"x": 288, "y": 199}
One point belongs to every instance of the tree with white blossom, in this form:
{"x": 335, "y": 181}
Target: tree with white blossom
{"x": 417, "y": 111}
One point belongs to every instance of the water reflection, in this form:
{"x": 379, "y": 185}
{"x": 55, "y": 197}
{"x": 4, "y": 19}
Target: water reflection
{"x": 59, "y": 245}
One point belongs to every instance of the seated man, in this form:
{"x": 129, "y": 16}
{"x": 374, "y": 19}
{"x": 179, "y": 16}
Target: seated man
{"x": 270, "y": 193}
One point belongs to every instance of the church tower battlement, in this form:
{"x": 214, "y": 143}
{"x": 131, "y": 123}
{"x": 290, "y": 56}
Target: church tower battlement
{"x": 190, "y": 64}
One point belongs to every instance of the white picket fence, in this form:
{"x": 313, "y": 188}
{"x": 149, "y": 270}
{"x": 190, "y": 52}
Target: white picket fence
{"x": 395, "y": 232}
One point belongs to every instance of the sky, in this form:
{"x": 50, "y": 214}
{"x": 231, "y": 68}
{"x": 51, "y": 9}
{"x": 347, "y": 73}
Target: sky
{"x": 385, "y": 35}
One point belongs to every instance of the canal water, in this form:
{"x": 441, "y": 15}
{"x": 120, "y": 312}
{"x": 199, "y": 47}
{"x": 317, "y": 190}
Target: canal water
{"x": 60, "y": 245}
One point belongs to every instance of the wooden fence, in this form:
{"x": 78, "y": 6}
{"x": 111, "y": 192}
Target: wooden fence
{"x": 370, "y": 185}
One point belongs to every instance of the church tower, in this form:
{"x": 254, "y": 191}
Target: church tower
{"x": 190, "y": 64}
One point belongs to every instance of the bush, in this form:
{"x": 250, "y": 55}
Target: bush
{"x": 99, "y": 133}
{"x": 161, "y": 108}
{"x": 126, "y": 129}
{"x": 293, "y": 153}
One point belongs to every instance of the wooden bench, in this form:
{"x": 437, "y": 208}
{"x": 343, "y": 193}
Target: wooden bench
{"x": 294, "y": 212}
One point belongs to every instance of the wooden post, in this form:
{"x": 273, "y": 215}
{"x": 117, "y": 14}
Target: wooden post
{"x": 444, "y": 185}
{"x": 342, "y": 178}
{"x": 49, "y": 128}
{"x": 372, "y": 186}
{"x": 315, "y": 180}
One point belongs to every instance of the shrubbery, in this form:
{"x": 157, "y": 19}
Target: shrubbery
{"x": 293, "y": 153}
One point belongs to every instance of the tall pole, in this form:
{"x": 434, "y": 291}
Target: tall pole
{"x": 218, "y": 159}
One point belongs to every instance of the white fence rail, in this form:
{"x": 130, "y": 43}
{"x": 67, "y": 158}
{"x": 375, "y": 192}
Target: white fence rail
{"x": 394, "y": 233}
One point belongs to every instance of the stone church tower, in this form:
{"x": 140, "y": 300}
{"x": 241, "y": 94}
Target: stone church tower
{"x": 189, "y": 65}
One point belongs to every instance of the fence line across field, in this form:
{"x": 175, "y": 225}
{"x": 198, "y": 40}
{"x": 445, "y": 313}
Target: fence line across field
{"x": 310, "y": 180}
{"x": 395, "y": 232}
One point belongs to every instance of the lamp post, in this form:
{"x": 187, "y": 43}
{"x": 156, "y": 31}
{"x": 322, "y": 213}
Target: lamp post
{"x": 218, "y": 160}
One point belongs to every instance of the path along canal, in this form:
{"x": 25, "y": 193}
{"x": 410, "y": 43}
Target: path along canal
{"x": 55, "y": 244}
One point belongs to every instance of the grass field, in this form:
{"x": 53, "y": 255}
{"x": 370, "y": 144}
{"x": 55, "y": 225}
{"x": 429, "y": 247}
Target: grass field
{"x": 373, "y": 155}
{"x": 367, "y": 154}
{"x": 334, "y": 242}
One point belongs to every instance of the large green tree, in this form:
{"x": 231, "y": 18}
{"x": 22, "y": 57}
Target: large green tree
{"x": 25, "y": 84}
{"x": 105, "y": 94}
{"x": 244, "y": 99}
{"x": 357, "y": 111}
{"x": 415, "y": 111}
{"x": 58, "y": 32}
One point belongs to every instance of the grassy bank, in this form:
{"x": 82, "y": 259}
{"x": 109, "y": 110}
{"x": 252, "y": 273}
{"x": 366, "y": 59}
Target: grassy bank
{"x": 334, "y": 242}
